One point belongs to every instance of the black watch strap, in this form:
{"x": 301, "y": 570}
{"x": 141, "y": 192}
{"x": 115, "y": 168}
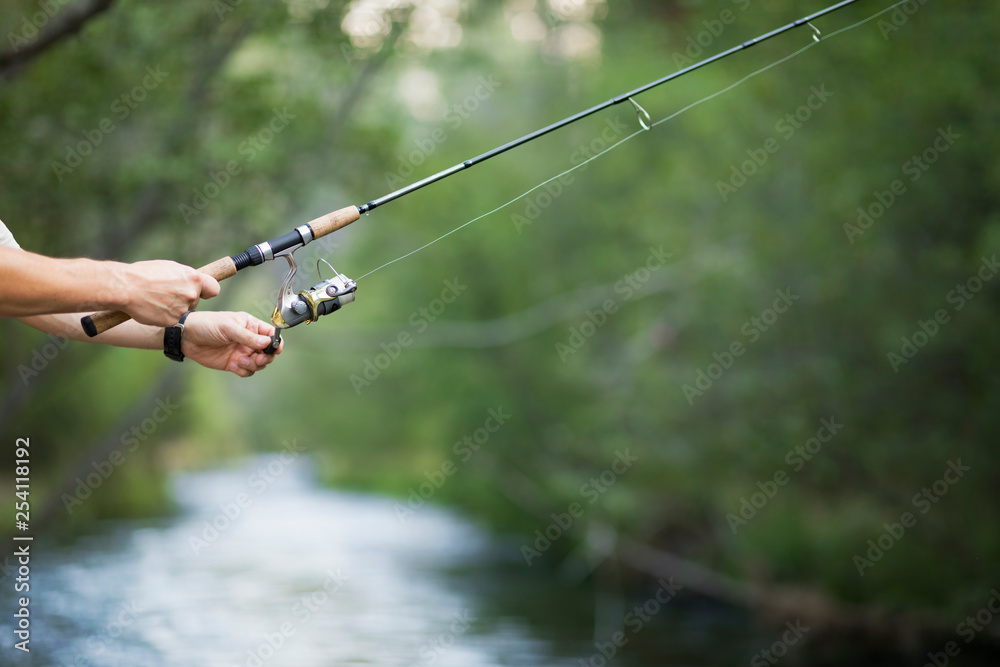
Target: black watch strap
{"x": 172, "y": 339}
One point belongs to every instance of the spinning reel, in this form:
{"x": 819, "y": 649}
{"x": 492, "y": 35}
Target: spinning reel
{"x": 323, "y": 298}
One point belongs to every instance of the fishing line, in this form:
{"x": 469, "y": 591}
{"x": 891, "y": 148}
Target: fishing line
{"x": 331, "y": 294}
{"x": 816, "y": 40}
{"x": 502, "y": 206}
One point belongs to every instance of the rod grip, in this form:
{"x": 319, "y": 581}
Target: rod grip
{"x": 98, "y": 323}
{"x": 331, "y": 222}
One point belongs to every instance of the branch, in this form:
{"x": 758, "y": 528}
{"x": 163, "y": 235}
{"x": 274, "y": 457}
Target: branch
{"x": 777, "y": 603}
{"x": 151, "y": 200}
{"x": 65, "y": 24}
{"x": 691, "y": 575}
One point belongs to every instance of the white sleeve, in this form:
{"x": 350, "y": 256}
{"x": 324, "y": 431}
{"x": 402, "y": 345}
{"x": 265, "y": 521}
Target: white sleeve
{"x": 6, "y": 238}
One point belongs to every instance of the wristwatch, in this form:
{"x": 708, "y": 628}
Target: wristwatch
{"x": 172, "y": 339}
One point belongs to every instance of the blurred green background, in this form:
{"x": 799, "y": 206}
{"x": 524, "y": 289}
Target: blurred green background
{"x": 602, "y": 315}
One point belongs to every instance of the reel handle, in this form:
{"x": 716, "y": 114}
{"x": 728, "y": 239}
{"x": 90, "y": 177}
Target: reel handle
{"x": 275, "y": 343}
{"x": 98, "y": 323}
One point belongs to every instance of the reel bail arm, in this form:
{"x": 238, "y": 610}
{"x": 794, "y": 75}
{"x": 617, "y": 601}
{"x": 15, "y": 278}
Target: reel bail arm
{"x": 323, "y": 298}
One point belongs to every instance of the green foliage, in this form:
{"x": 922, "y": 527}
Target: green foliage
{"x": 528, "y": 289}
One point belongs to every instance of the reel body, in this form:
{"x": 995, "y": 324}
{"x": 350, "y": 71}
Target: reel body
{"x": 325, "y": 297}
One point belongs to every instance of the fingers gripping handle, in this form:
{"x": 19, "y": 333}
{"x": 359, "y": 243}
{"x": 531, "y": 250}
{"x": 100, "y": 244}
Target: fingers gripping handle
{"x": 225, "y": 267}
{"x": 98, "y": 323}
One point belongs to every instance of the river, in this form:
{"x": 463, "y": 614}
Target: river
{"x": 272, "y": 569}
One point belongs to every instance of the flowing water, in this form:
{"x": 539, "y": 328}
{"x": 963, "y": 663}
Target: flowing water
{"x": 275, "y": 570}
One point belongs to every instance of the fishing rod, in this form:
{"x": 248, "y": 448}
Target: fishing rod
{"x": 329, "y": 295}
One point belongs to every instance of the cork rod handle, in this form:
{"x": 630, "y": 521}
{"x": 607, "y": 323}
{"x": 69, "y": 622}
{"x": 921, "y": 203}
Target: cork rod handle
{"x": 98, "y": 323}
{"x": 331, "y": 222}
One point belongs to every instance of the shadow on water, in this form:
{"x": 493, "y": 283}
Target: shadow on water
{"x": 267, "y": 568}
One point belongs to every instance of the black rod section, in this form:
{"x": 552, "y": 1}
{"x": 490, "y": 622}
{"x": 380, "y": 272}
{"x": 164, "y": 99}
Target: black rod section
{"x": 365, "y": 208}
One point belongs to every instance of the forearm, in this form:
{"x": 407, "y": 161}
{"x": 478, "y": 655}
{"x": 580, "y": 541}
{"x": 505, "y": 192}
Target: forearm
{"x": 32, "y": 284}
{"x": 128, "y": 334}
{"x": 221, "y": 341}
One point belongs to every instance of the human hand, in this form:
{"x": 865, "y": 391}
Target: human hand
{"x": 228, "y": 342}
{"x": 158, "y": 292}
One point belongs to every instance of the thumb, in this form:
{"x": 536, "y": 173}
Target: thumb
{"x": 250, "y": 339}
{"x": 209, "y": 286}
